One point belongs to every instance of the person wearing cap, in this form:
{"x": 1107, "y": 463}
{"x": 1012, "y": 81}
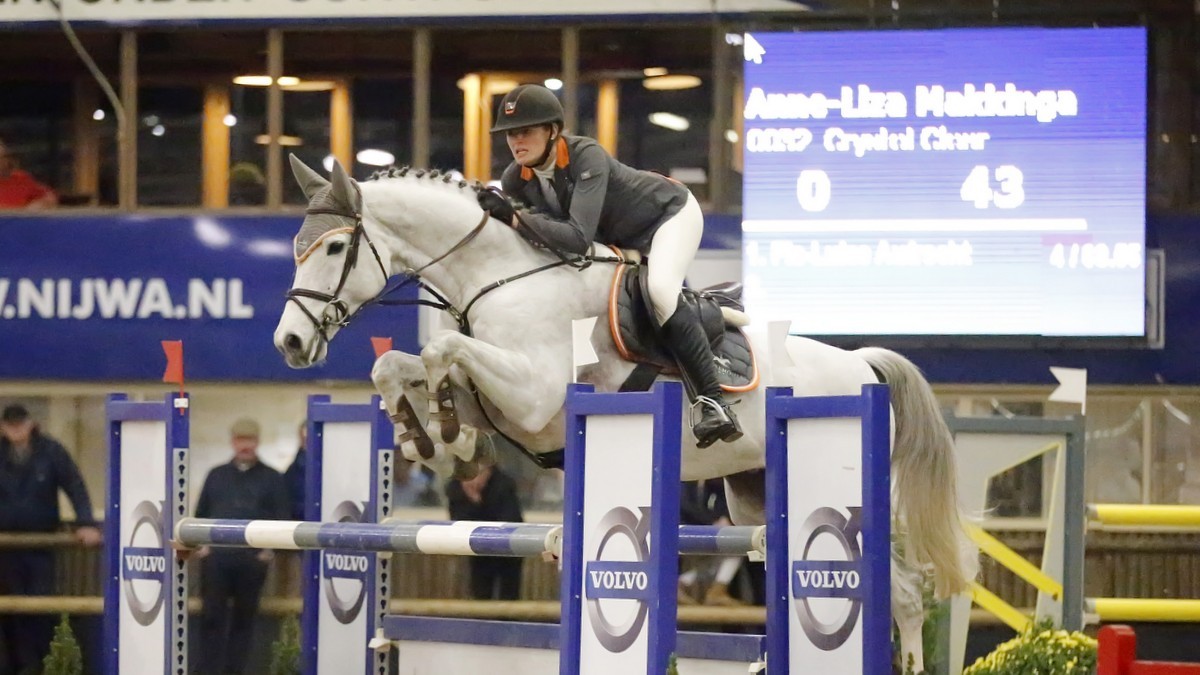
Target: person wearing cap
{"x": 33, "y": 468}
{"x": 232, "y": 578}
{"x": 581, "y": 194}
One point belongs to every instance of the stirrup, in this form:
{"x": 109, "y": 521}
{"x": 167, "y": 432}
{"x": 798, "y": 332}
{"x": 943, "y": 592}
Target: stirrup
{"x": 709, "y": 402}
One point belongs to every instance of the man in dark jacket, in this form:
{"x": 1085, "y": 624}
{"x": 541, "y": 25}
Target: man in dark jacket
{"x": 243, "y": 489}
{"x": 491, "y": 495}
{"x": 33, "y": 468}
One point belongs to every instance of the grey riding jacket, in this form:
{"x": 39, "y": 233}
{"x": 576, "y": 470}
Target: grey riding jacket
{"x": 599, "y": 199}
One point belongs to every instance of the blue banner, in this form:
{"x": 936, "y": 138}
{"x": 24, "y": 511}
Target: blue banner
{"x": 91, "y": 297}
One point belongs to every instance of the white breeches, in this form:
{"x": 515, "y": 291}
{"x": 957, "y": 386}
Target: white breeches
{"x": 672, "y": 250}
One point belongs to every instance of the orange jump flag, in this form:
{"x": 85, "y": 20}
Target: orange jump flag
{"x": 173, "y": 374}
{"x": 381, "y": 345}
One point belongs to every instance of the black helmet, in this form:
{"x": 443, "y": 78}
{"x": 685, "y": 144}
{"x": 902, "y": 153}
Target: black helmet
{"x": 526, "y": 106}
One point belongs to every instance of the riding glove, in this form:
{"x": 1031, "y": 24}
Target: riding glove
{"x": 494, "y": 202}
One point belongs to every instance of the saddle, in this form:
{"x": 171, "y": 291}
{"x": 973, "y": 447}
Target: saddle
{"x": 635, "y": 331}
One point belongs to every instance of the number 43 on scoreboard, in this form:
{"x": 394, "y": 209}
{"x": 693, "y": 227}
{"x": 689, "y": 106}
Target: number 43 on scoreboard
{"x": 1009, "y": 194}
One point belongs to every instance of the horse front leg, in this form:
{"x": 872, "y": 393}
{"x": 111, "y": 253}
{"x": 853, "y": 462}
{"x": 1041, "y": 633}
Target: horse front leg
{"x": 400, "y": 378}
{"x": 527, "y": 395}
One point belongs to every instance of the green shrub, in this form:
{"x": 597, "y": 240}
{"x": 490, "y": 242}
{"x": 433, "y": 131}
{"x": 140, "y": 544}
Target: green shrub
{"x": 65, "y": 657}
{"x": 285, "y": 653}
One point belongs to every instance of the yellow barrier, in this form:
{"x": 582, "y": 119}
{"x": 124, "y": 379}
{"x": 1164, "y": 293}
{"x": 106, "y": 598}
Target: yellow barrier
{"x": 1141, "y": 514}
{"x": 1005, "y": 612}
{"x": 1014, "y": 562}
{"x": 1138, "y": 609}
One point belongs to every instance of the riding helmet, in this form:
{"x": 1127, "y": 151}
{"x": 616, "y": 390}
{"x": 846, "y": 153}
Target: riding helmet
{"x": 526, "y": 106}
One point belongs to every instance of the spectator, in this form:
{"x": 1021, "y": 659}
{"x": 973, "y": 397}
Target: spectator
{"x": 18, "y": 189}
{"x": 703, "y": 503}
{"x": 245, "y": 488}
{"x": 295, "y": 475}
{"x": 33, "y": 468}
{"x": 413, "y": 484}
{"x": 491, "y": 495}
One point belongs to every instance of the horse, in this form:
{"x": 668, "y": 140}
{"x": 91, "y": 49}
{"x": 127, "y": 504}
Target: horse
{"x": 506, "y": 370}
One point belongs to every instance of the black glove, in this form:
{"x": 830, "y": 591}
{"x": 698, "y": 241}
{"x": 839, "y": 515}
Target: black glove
{"x": 494, "y": 202}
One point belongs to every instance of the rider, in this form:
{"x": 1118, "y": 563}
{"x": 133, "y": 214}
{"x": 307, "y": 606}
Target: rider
{"x": 582, "y": 194}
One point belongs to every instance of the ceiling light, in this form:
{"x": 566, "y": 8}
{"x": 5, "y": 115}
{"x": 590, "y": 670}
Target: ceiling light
{"x": 263, "y": 139}
{"x": 654, "y": 72}
{"x": 308, "y": 85}
{"x": 671, "y": 82}
{"x": 670, "y": 121}
{"x": 158, "y": 130}
{"x": 98, "y": 114}
{"x": 253, "y": 80}
{"x": 230, "y": 120}
{"x": 731, "y": 135}
{"x": 265, "y": 80}
{"x": 553, "y": 83}
{"x": 375, "y": 157}
{"x": 328, "y": 162}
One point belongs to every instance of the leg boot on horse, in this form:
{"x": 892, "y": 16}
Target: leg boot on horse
{"x": 687, "y": 342}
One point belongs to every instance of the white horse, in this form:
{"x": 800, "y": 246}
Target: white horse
{"x": 515, "y": 360}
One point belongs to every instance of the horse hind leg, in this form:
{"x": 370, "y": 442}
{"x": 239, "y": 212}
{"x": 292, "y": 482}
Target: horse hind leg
{"x": 908, "y": 611}
{"x": 746, "y": 497}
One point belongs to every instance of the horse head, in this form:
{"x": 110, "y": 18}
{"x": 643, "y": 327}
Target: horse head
{"x": 341, "y": 264}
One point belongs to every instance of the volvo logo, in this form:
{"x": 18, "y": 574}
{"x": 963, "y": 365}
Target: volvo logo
{"x": 619, "y": 579}
{"x": 829, "y": 578}
{"x": 144, "y": 564}
{"x": 345, "y": 572}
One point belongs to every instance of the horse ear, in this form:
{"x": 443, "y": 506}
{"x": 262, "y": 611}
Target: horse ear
{"x": 344, "y": 191}
{"x": 310, "y": 181}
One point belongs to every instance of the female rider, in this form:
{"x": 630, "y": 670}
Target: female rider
{"x": 582, "y": 194}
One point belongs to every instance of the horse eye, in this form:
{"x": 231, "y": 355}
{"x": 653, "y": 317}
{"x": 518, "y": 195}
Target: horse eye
{"x": 336, "y": 247}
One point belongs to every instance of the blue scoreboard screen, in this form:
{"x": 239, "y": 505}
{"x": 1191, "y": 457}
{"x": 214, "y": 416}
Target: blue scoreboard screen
{"x": 977, "y": 182}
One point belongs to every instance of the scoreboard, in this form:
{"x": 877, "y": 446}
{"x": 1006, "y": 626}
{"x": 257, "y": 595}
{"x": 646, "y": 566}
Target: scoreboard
{"x": 946, "y": 182}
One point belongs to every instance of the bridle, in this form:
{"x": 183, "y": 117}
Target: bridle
{"x": 336, "y": 312}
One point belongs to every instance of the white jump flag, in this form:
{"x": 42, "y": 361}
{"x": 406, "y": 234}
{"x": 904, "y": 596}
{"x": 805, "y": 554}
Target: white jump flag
{"x": 777, "y": 353}
{"x": 1072, "y": 386}
{"x": 582, "y": 352}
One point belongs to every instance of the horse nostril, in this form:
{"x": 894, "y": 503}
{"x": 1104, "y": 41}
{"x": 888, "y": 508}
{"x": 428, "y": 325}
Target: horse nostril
{"x": 292, "y": 342}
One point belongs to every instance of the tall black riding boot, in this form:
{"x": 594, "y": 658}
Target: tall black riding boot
{"x": 687, "y": 342}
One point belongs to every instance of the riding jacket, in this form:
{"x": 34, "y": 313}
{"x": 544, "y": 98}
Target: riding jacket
{"x": 599, "y": 199}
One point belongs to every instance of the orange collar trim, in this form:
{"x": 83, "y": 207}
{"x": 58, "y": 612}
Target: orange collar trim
{"x": 562, "y": 159}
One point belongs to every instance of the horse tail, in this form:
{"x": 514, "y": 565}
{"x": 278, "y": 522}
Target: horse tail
{"x": 924, "y": 478}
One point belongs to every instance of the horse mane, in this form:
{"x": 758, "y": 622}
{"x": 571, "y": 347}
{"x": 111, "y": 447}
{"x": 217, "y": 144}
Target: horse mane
{"x": 434, "y": 177}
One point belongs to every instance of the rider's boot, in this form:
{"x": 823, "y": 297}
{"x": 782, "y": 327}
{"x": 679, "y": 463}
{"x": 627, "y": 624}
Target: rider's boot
{"x": 687, "y": 342}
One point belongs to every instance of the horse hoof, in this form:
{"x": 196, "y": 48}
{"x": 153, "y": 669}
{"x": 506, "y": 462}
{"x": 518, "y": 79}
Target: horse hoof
{"x": 465, "y": 470}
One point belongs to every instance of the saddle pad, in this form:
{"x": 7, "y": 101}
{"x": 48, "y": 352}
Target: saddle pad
{"x": 633, "y": 328}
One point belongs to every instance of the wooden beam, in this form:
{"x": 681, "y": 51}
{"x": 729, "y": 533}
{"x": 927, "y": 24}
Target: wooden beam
{"x": 341, "y": 124}
{"x": 215, "y": 147}
{"x": 86, "y": 141}
{"x": 127, "y": 132}
{"x": 274, "y": 119}
{"x": 422, "y": 62}
{"x": 608, "y": 108}
{"x": 472, "y": 87}
{"x": 570, "y": 77}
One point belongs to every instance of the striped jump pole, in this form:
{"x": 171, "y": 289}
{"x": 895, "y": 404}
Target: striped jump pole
{"x": 465, "y": 538}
